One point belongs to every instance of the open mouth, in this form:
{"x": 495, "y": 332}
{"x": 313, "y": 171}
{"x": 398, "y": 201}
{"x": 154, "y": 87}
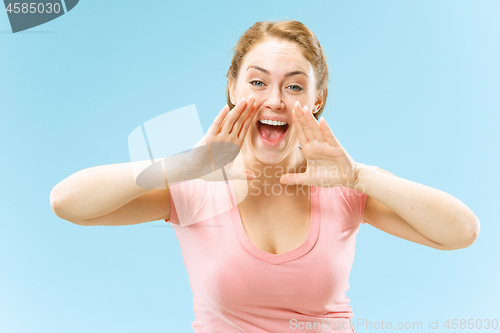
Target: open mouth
{"x": 271, "y": 131}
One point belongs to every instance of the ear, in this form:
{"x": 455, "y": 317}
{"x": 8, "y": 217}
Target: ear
{"x": 232, "y": 91}
{"x": 319, "y": 102}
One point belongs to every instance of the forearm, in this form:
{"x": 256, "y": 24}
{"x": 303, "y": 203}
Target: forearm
{"x": 437, "y": 215}
{"x": 97, "y": 191}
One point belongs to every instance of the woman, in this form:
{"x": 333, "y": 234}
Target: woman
{"x": 280, "y": 259}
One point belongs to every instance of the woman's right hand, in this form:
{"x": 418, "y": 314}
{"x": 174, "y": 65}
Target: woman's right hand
{"x": 222, "y": 143}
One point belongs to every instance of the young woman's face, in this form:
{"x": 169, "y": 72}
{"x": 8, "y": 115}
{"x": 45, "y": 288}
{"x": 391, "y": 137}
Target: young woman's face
{"x": 278, "y": 75}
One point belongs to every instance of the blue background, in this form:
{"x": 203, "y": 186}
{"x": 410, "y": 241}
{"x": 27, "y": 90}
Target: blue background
{"x": 414, "y": 89}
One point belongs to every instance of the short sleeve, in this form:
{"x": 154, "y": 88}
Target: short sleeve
{"x": 173, "y": 212}
{"x": 196, "y": 200}
{"x": 186, "y": 197}
{"x": 357, "y": 199}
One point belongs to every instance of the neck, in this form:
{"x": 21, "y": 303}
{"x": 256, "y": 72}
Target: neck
{"x": 295, "y": 162}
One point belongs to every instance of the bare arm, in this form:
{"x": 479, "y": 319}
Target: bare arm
{"x": 109, "y": 194}
{"x": 89, "y": 196}
{"x": 416, "y": 212}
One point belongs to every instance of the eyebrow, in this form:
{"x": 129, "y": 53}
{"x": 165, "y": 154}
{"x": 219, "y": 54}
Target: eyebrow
{"x": 265, "y": 71}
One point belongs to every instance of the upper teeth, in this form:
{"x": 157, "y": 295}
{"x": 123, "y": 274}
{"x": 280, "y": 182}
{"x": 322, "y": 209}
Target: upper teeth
{"x": 272, "y": 122}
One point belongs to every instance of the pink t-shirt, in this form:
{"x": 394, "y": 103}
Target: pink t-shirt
{"x": 238, "y": 287}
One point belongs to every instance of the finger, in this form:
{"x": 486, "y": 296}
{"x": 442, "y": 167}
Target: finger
{"x": 233, "y": 115}
{"x": 248, "y": 122}
{"x": 243, "y": 116}
{"x": 294, "y": 179}
{"x": 300, "y": 131}
{"x": 303, "y": 122}
{"x": 216, "y": 125}
{"x": 313, "y": 125}
{"x": 327, "y": 132}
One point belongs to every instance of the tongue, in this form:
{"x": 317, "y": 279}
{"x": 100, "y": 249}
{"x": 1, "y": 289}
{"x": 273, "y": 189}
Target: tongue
{"x": 271, "y": 133}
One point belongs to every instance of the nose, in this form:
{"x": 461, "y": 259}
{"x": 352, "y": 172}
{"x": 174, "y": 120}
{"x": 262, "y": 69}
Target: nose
{"x": 274, "y": 100}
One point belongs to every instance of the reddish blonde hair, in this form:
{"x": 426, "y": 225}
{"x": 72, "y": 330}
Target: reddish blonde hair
{"x": 293, "y": 31}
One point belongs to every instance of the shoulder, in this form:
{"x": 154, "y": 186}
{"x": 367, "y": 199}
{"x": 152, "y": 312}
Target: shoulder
{"x": 198, "y": 200}
{"x": 195, "y": 188}
{"x": 342, "y": 203}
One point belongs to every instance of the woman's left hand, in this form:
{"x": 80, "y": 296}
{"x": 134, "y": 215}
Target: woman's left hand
{"x": 328, "y": 164}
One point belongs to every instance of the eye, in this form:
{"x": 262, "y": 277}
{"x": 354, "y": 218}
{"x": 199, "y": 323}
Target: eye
{"x": 257, "y": 83}
{"x": 295, "y": 87}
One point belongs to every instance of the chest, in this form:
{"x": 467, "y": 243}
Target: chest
{"x": 229, "y": 272}
{"x": 276, "y": 225}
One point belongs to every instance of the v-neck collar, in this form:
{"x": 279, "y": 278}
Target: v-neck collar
{"x": 277, "y": 259}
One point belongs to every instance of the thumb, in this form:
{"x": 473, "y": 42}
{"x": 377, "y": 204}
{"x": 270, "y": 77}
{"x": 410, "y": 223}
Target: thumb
{"x": 294, "y": 179}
